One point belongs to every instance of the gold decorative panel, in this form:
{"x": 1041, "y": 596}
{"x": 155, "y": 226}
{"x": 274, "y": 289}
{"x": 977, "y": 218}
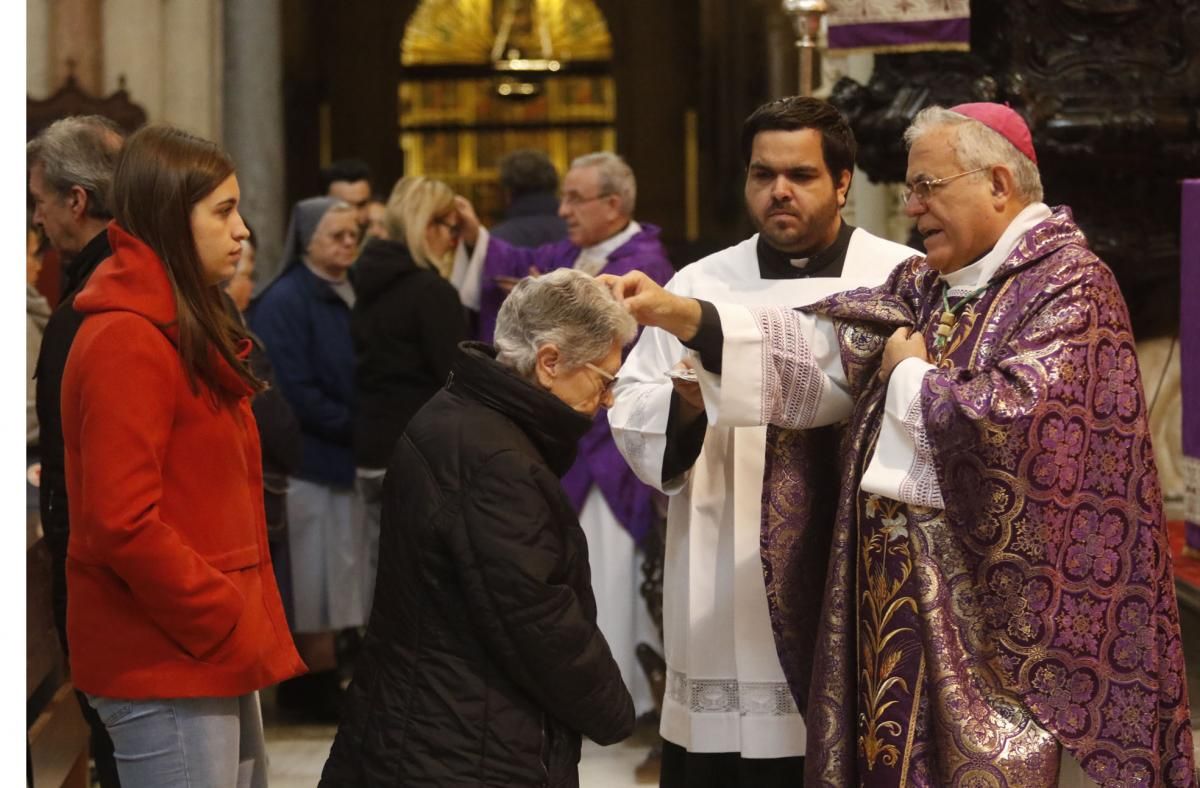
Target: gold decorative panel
{"x": 465, "y": 31}
{"x": 456, "y": 123}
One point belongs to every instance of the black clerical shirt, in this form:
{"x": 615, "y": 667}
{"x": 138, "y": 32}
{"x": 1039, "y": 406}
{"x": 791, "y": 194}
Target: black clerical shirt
{"x": 684, "y": 441}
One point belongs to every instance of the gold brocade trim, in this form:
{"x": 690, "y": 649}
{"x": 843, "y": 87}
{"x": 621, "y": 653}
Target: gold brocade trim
{"x": 912, "y": 723}
{"x": 892, "y": 49}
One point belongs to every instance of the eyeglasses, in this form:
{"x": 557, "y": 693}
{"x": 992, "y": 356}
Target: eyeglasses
{"x": 923, "y": 189}
{"x": 455, "y": 229}
{"x": 345, "y": 235}
{"x": 572, "y": 199}
{"x": 609, "y": 379}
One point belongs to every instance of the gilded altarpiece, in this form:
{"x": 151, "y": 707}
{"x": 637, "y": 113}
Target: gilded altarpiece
{"x": 480, "y": 79}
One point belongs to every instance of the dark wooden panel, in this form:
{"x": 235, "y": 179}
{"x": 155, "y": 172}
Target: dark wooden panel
{"x": 1111, "y": 91}
{"x": 42, "y": 652}
{"x": 58, "y": 742}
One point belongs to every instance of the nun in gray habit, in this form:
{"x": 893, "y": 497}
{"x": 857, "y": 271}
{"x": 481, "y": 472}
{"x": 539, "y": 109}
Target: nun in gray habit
{"x": 303, "y": 318}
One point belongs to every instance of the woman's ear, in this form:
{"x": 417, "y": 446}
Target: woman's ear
{"x": 547, "y": 366}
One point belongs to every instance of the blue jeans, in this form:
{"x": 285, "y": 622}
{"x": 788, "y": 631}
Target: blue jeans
{"x": 186, "y": 742}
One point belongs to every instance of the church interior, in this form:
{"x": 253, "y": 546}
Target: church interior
{"x": 445, "y": 89}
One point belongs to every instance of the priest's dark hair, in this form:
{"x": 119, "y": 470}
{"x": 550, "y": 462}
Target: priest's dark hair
{"x": 349, "y": 170}
{"x": 794, "y": 113}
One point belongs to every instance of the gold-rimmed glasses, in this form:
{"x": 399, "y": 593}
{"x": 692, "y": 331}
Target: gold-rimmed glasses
{"x": 572, "y": 199}
{"x": 923, "y": 188}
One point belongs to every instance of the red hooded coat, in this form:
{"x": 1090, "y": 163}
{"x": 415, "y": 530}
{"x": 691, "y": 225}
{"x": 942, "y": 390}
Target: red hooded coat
{"x": 170, "y": 591}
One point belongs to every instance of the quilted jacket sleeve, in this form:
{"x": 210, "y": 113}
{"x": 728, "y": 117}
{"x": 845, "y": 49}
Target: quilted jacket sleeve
{"x": 543, "y": 631}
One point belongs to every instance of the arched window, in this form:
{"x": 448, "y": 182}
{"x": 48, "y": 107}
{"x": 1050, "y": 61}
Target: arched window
{"x": 481, "y": 78}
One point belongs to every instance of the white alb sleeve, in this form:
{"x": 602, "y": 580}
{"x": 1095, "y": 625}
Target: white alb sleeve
{"x": 902, "y": 467}
{"x": 467, "y": 272}
{"x": 778, "y": 366}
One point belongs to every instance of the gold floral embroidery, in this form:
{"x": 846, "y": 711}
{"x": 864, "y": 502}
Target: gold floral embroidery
{"x": 882, "y": 601}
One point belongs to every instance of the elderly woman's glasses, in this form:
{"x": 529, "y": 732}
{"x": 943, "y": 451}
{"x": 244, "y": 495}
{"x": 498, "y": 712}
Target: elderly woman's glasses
{"x": 923, "y": 189}
{"x": 609, "y": 379}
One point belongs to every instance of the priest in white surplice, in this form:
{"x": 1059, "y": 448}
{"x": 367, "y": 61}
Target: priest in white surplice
{"x": 729, "y": 718}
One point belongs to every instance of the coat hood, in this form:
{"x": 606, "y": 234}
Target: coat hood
{"x": 551, "y": 424}
{"x": 378, "y": 266}
{"x": 135, "y": 280}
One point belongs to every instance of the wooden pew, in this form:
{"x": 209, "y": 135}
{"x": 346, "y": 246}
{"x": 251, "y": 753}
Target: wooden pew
{"x": 57, "y": 739}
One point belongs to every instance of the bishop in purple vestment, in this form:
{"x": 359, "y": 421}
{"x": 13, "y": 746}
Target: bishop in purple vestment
{"x": 999, "y": 606}
{"x": 597, "y": 204}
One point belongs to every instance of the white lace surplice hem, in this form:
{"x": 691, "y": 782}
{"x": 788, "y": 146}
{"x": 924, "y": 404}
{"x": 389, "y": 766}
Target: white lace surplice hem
{"x": 707, "y": 715}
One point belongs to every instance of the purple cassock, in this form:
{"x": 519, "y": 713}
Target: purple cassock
{"x": 965, "y": 645}
{"x": 598, "y": 462}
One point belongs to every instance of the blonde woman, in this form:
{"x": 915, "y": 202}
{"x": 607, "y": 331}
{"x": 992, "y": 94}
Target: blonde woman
{"x": 407, "y": 323}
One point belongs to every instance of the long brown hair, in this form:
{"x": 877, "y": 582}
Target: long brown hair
{"x": 162, "y": 173}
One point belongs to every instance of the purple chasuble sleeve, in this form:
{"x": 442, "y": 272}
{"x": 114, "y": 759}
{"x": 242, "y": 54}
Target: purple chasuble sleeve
{"x": 599, "y": 461}
{"x": 504, "y": 259}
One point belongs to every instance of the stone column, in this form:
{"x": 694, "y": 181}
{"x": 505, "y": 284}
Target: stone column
{"x": 37, "y": 49}
{"x": 253, "y": 120}
{"x": 76, "y": 37}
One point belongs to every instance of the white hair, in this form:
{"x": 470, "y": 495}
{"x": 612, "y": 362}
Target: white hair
{"x": 978, "y": 146}
{"x": 566, "y": 308}
{"x": 616, "y": 177}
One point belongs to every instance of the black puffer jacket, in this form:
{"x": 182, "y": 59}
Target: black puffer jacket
{"x": 407, "y": 323}
{"x": 482, "y": 663}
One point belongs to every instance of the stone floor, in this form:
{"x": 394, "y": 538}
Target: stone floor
{"x": 298, "y": 752}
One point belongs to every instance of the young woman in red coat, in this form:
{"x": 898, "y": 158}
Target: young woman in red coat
{"x": 173, "y": 615}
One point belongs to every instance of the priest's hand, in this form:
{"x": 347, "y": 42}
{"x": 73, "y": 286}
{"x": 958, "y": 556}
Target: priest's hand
{"x": 468, "y": 221}
{"x": 903, "y": 343}
{"x": 691, "y": 399}
{"x": 651, "y": 305}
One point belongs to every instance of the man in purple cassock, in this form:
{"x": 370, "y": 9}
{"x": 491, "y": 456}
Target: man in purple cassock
{"x": 615, "y": 508}
{"x": 999, "y": 607}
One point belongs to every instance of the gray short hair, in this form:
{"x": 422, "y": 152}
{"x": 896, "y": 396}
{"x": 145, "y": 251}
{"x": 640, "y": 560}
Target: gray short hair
{"x": 978, "y": 146}
{"x": 81, "y": 151}
{"x": 616, "y": 177}
{"x": 567, "y": 308}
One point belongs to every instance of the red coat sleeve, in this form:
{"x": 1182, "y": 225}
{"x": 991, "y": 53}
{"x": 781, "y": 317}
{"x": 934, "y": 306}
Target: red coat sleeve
{"x": 120, "y": 393}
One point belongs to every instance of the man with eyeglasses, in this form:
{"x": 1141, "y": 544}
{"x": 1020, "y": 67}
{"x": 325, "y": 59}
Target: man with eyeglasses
{"x": 729, "y": 718}
{"x": 999, "y": 604}
{"x": 615, "y": 509}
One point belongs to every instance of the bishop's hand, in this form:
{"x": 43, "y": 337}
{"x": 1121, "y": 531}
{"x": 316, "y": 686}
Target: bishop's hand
{"x": 651, "y": 305}
{"x": 904, "y": 343}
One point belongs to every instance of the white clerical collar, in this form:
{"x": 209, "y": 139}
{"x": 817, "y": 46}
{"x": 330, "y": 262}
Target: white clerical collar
{"x": 975, "y": 275}
{"x": 611, "y": 244}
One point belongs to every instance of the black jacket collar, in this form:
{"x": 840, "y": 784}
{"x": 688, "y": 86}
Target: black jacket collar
{"x": 77, "y": 270}
{"x": 380, "y": 264}
{"x": 553, "y": 426}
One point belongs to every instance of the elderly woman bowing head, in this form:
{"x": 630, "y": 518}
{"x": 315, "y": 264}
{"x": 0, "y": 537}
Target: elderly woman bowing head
{"x": 482, "y": 663}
